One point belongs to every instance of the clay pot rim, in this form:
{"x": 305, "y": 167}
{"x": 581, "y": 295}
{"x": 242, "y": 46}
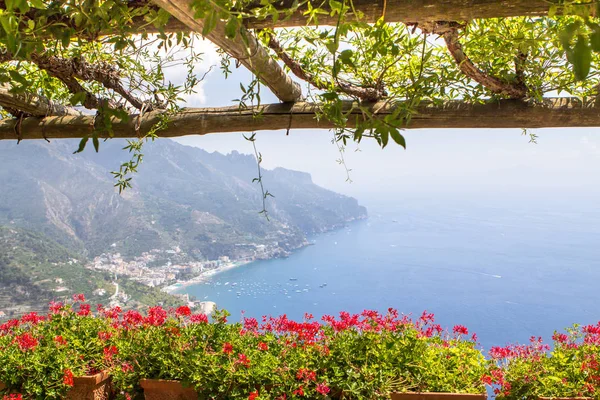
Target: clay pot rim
{"x": 92, "y": 379}
{"x": 442, "y": 394}
{"x": 82, "y": 380}
{"x": 564, "y": 398}
{"x": 146, "y": 383}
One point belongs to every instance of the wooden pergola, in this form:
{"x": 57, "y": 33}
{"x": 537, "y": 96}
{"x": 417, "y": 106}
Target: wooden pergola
{"x": 49, "y": 120}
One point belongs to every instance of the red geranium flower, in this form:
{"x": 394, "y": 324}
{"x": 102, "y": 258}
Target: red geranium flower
{"x": 109, "y": 352}
{"x": 323, "y": 389}
{"x": 243, "y": 359}
{"x": 79, "y": 297}
{"x": 26, "y": 341}
{"x": 60, "y": 340}
{"x": 199, "y": 319}
{"x": 263, "y": 346}
{"x": 84, "y": 310}
{"x": 126, "y": 367}
{"x": 460, "y": 329}
{"x": 55, "y": 307}
{"x": 68, "y": 377}
{"x": 253, "y": 395}
{"x": 227, "y": 348}
{"x": 183, "y": 311}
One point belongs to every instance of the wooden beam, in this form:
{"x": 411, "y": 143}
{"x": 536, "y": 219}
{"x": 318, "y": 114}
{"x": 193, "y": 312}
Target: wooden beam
{"x": 32, "y": 104}
{"x": 415, "y": 11}
{"x": 407, "y": 11}
{"x": 556, "y": 112}
{"x": 252, "y": 54}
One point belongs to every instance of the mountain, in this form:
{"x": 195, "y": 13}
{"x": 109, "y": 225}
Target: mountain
{"x": 205, "y": 204}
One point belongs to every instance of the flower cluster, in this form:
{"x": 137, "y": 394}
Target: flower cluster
{"x": 275, "y": 357}
{"x": 41, "y": 355}
{"x": 568, "y": 368}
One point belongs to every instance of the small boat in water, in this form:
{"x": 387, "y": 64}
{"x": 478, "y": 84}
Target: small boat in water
{"x": 293, "y": 279}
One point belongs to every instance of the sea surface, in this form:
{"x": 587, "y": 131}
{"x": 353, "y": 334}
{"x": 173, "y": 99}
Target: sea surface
{"x": 508, "y": 270}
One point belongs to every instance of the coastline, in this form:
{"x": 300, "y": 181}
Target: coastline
{"x": 203, "y": 276}
{"x": 171, "y": 289}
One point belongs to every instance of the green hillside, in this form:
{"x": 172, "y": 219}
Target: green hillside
{"x": 35, "y": 270}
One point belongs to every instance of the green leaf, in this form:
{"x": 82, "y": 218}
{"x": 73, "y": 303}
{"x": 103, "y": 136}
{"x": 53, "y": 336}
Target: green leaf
{"x": 82, "y": 144}
{"x": 581, "y": 58}
{"x": 385, "y": 137}
{"x": 96, "y": 143}
{"x": 37, "y": 3}
{"x": 398, "y": 138}
{"x": 120, "y": 44}
{"x": 567, "y": 34}
{"x": 346, "y": 57}
{"x": 231, "y": 27}
{"x": 17, "y": 77}
{"x": 77, "y": 98}
{"x": 210, "y": 22}
{"x": 595, "y": 38}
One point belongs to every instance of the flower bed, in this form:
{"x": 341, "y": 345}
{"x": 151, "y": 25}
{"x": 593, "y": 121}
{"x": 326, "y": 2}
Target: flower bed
{"x": 174, "y": 354}
{"x": 369, "y": 355}
{"x": 354, "y": 356}
{"x": 568, "y": 369}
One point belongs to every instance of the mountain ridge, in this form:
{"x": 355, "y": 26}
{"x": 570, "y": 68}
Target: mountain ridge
{"x": 184, "y": 196}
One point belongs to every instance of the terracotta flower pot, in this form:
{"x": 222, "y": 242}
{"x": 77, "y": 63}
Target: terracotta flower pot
{"x": 162, "y": 389}
{"x": 436, "y": 396}
{"x": 92, "y": 387}
{"x": 565, "y": 398}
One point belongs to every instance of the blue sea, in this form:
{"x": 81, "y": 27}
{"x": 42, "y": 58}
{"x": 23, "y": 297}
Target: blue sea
{"x": 507, "y": 269}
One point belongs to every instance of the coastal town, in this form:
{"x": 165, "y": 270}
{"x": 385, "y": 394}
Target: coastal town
{"x": 173, "y": 268}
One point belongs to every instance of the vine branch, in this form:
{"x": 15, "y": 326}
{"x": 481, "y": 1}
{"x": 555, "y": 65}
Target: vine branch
{"x": 449, "y": 31}
{"x": 363, "y": 93}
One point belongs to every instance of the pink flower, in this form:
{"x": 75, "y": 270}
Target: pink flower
{"x": 79, "y": 298}
{"x": 55, "y": 307}
{"x": 126, "y": 367}
{"x": 460, "y": 329}
{"x": 199, "y": 319}
{"x": 323, "y": 389}
{"x": 560, "y": 337}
